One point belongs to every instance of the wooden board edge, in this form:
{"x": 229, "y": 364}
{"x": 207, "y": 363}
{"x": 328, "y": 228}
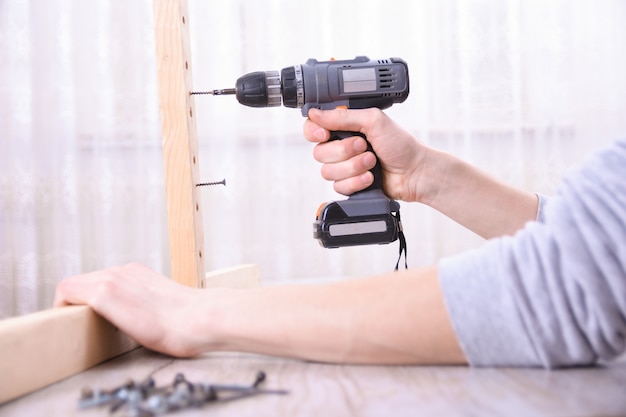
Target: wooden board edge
{"x": 241, "y": 276}
{"x": 45, "y": 347}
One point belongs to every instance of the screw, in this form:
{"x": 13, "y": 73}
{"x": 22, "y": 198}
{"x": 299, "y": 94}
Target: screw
{"x": 148, "y": 383}
{"x": 223, "y": 91}
{"x": 96, "y": 397}
{"x": 250, "y": 390}
{"x": 180, "y": 378}
{"x": 181, "y": 397}
{"x": 260, "y": 377}
{"x": 203, "y": 184}
{"x": 86, "y": 393}
{"x": 145, "y": 399}
{"x": 158, "y": 404}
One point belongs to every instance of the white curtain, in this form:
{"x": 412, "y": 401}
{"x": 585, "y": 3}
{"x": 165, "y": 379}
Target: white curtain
{"x": 524, "y": 89}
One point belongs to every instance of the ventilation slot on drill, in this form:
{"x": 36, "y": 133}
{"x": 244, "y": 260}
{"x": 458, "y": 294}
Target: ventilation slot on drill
{"x": 387, "y": 77}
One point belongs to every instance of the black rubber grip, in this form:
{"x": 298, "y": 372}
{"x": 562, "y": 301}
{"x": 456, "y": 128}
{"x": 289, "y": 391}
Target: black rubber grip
{"x": 377, "y": 170}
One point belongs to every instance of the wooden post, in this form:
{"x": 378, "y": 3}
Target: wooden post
{"x": 180, "y": 142}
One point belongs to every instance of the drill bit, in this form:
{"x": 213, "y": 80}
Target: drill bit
{"x": 223, "y": 91}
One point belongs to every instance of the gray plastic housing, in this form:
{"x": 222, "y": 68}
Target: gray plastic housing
{"x": 356, "y": 84}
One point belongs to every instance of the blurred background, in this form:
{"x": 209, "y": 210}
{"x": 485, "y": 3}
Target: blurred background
{"x": 523, "y": 89}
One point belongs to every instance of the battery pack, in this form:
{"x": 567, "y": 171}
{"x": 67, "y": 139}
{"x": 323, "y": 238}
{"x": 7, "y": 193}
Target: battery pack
{"x": 354, "y": 222}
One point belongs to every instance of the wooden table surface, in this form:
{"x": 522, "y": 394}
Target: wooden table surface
{"x": 339, "y": 390}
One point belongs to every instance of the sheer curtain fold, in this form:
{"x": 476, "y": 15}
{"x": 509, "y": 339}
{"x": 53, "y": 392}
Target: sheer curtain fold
{"x": 80, "y": 165}
{"x": 525, "y": 89}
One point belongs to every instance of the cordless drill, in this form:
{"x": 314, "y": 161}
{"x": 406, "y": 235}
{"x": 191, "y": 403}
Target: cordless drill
{"x": 368, "y": 216}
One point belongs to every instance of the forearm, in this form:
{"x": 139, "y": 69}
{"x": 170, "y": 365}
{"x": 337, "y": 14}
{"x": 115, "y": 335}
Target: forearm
{"x": 476, "y": 200}
{"x": 397, "y": 318}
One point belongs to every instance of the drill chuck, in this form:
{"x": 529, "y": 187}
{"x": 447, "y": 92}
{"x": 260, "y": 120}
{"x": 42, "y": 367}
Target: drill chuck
{"x": 259, "y": 89}
{"x": 268, "y": 89}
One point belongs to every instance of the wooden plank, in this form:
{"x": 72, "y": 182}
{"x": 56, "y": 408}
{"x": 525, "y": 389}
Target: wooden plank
{"x": 241, "y": 276}
{"x": 180, "y": 142}
{"x": 45, "y": 347}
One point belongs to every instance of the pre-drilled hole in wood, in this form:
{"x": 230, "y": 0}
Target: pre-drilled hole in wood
{"x": 190, "y": 113}
{"x": 183, "y": 20}
{"x": 194, "y": 159}
{"x": 200, "y": 253}
{"x": 186, "y": 65}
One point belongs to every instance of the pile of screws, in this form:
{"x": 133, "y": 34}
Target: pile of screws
{"x": 145, "y": 399}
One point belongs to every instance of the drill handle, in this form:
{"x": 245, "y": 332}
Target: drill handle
{"x": 377, "y": 186}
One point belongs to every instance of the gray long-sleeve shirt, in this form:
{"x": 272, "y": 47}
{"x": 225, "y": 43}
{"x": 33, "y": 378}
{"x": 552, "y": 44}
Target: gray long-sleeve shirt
{"x": 554, "y": 294}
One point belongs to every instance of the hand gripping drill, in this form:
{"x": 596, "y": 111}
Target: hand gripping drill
{"x": 367, "y": 216}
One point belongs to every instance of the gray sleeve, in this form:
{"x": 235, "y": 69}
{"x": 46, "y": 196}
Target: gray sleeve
{"x": 554, "y": 294}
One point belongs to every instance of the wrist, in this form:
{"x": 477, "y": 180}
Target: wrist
{"x": 232, "y": 320}
{"x": 206, "y": 329}
{"x": 430, "y": 177}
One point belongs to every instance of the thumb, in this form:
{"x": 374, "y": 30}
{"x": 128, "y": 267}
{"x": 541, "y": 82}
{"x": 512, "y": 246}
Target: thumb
{"x": 343, "y": 119}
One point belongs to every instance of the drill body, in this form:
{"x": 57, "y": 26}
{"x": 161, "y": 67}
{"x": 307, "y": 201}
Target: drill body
{"x": 355, "y": 84}
{"x": 368, "y": 216}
